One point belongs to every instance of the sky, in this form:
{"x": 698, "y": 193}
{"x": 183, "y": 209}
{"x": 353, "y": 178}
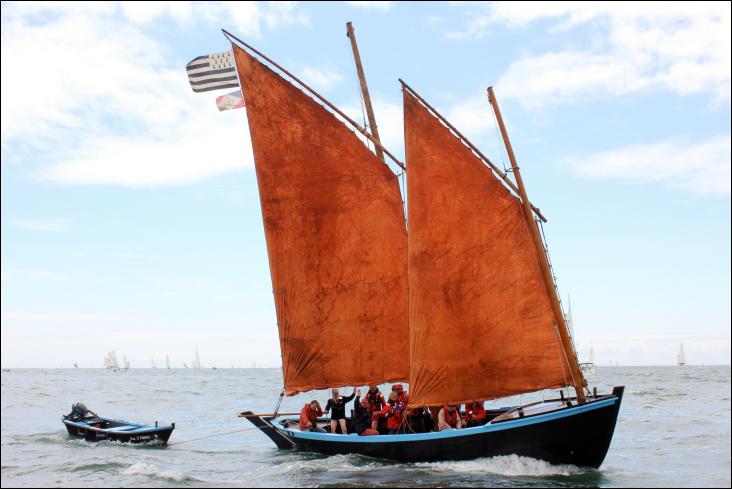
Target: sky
{"x": 130, "y": 210}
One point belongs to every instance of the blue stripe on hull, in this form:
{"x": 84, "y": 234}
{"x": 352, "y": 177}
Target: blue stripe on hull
{"x": 412, "y": 437}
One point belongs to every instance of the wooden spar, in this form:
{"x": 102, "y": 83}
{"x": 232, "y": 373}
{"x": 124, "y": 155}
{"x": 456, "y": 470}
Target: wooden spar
{"x": 577, "y": 378}
{"x": 470, "y": 145}
{"x": 335, "y": 109}
{"x": 364, "y": 88}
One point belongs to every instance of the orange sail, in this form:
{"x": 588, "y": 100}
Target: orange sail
{"x": 481, "y": 321}
{"x": 336, "y": 239}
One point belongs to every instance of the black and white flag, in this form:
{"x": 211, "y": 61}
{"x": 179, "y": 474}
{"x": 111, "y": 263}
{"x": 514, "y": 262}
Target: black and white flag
{"x": 212, "y": 72}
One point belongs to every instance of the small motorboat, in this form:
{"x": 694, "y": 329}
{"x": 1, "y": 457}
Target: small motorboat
{"x": 83, "y": 423}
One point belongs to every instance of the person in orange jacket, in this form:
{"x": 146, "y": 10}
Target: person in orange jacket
{"x": 474, "y": 414}
{"x": 309, "y": 417}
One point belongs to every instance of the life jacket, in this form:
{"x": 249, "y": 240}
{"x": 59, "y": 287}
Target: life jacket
{"x": 393, "y": 412}
{"x": 376, "y": 401}
{"x": 476, "y": 409}
{"x": 451, "y": 418}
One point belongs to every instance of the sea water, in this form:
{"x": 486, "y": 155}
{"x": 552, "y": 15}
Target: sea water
{"x": 673, "y": 430}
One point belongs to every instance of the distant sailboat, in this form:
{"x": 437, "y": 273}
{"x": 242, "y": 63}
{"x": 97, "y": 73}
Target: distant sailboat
{"x": 185, "y": 365}
{"x": 197, "y": 360}
{"x": 570, "y": 320}
{"x": 76, "y": 366}
{"x": 125, "y": 362}
{"x": 152, "y": 363}
{"x": 680, "y": 357}
{"x": 167, "y": 362}
{"x": 110, "y": 361}
{"x": 589, "y": 367}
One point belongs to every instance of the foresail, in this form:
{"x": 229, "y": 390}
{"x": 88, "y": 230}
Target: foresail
{"x": 481, "y": 321}
{"x": 336, "y": 239}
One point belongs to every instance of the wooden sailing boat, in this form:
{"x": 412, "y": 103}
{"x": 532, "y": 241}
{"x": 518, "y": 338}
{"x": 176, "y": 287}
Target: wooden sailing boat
{"x": 361, "y": 301}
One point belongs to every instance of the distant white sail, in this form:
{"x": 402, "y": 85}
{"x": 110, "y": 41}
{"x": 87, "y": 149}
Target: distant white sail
{"x": 570, "y": 320}
{"x": 680, "y": 357}
{"x": 167, "y": 361}
{"x": 592, "y": 356}
{"x": 152, "y": 363}
{"x": 197, "y": 360}
{"x": 110, "y": 361}
{"x": 125, "y": 362}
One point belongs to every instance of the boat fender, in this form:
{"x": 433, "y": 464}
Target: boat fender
{"x": 594, "y": 391}
{"x": 521, "y": 412}
{"x": 156, "y": 424}
{"x": 561, "y": 393}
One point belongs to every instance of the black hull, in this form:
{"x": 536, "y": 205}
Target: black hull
{"x": 90, "y": 434}
{"x": 574, "y": 435}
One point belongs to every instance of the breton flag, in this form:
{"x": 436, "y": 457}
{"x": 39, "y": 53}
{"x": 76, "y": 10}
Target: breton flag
{"x": 212, "y": 72}
{"x": 233, "y": 100}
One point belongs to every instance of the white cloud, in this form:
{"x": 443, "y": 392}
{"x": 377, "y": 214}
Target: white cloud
{"x": 473, "y": 116}
{"x": 701, "y": 168}
{"x": 321, "y": 79}
{"x": 371, "y": 5}
{"x": 681, "y": 47}
{"x": 105, "y": 106}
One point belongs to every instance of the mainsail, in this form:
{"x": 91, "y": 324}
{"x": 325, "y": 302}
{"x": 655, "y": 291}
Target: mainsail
{"x": 680, "y": 357}
{"x": 336, "y": 239}
{"x": 481, "y": 321}
{"x": 196, "y": 360}
{"x": 110, "y": 360}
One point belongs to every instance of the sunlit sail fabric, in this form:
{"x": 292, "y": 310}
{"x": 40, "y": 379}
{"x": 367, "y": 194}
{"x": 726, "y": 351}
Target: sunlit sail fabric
{"x": 336, "y": 239}
{"x": 481, "y": 321}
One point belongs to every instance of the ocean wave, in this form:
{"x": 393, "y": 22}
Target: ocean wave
{"x": 507, "y": 465}
{"x": 142, "y": 468}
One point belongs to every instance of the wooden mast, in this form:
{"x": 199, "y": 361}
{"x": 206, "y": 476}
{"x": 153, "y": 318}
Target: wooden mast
{"x": 577, "y": 378}
{"x": 364, "y": 88}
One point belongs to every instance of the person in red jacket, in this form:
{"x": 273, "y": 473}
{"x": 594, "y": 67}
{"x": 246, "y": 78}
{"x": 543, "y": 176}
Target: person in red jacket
{"x": 474, "y": 414}
{"x": 309, "y": 416}
{"x": 402, "y": 395}
{"x": 376, "y": 404}
{"x": 394, "y": 412}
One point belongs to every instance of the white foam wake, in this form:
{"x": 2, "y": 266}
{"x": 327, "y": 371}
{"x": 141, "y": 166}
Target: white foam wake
{"x": 508, "y": 465}
{"x": 142, "y": 468}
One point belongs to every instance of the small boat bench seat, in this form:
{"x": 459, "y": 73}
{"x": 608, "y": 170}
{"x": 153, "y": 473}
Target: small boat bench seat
{"x": 122, "y": 428}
